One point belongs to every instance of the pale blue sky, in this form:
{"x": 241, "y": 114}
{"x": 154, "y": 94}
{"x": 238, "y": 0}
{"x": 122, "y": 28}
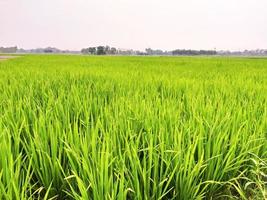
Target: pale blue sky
{"x": 137, "y": 24}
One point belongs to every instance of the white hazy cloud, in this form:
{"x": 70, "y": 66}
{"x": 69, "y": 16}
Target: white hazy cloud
{"x": 137, "y": 24}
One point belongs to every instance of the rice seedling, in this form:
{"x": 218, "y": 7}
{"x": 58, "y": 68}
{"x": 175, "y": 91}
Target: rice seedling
{"x": 85, "y": 127}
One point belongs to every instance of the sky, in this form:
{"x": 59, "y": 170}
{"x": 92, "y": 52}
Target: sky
{"x": 134, "y": 24}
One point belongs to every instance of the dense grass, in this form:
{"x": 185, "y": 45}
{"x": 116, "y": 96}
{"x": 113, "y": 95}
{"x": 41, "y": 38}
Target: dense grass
{"x": 77, "y": 127}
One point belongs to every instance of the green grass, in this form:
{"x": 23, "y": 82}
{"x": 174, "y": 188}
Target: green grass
{"x": 81, "y": 127}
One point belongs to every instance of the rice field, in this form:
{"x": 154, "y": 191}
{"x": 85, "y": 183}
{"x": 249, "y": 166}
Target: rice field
{"x": 85, "y": 127}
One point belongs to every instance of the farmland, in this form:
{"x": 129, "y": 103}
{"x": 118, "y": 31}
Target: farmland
{"x": 88, "y": 127}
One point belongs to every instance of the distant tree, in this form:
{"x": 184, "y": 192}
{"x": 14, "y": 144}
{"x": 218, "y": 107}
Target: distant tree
{"x": 113, "y": 50}
{"x": 92, "y": 50}
{"x": 149, "y": 51}
{"x": 193, "y": 52}
{"x": 48, "y": 51}
{"x": 107, "y": 50}
{"x": 85, "y": 51}
{"x": 100, "y": 50}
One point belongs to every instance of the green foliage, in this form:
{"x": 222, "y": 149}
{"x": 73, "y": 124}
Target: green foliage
{"x": 78, "y": 127}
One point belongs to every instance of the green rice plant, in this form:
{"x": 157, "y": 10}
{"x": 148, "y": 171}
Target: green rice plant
{"x": 88, "y": 127}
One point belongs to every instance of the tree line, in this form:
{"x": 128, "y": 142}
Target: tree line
{"x": 106, "y": 50}
{"x": 100, "y": 50}
{"x": 8, "y": 49}
{"x": 193, "y": 52}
